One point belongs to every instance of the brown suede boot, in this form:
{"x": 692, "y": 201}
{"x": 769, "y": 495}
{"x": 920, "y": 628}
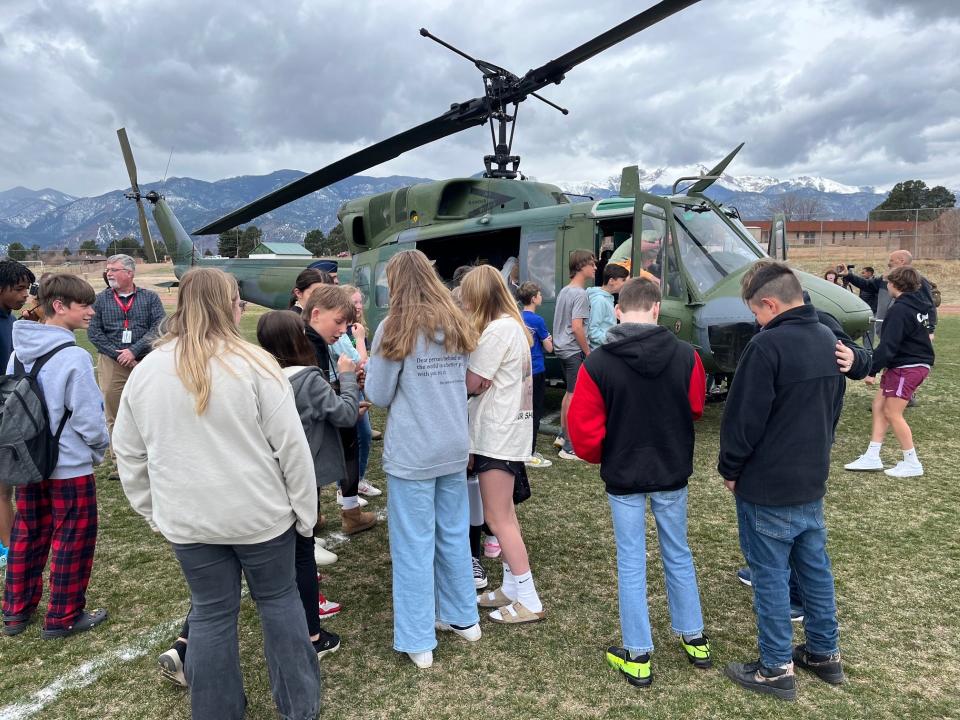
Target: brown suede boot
{"x": 355, "y": 520}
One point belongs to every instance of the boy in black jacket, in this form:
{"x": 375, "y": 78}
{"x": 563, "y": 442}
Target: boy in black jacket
{"x": 907, "y": 354}
{"x": 775, "y": 438}
{"x": 651, "y": 386}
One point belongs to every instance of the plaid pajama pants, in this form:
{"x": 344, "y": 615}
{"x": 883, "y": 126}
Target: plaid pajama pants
{"x": 61, "y": 514}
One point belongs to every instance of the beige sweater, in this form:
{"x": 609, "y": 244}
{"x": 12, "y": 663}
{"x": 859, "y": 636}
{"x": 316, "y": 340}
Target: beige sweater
{"x": 239, "y": 474}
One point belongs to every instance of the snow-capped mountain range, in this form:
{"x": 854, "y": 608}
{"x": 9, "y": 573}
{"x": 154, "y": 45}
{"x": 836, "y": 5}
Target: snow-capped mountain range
{"x": 655, "y": 180}
{"x": 50, "y": 218}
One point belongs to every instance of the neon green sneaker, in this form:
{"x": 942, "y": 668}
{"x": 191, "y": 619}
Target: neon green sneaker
{"x": 698, "y": 651}
{"x": 637, "y": 672}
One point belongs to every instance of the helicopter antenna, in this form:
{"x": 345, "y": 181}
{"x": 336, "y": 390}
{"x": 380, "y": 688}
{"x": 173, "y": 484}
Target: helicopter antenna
{"x": 163, "y": 183}
{"x": 497, "y": 83}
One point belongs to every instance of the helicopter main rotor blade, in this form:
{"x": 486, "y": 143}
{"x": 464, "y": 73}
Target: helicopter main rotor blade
{"x": 460, "y": 117}
{"x": 554, "y": 71}
{"x": 128, "y": 159}
{"x": 145, "y": 232}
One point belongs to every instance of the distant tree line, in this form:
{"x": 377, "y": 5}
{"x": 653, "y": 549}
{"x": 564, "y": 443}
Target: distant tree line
{"x": 913, "y": 200}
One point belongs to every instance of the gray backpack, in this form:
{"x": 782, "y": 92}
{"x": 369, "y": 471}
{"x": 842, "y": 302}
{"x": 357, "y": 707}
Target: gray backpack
{"x": 28, "y": 449}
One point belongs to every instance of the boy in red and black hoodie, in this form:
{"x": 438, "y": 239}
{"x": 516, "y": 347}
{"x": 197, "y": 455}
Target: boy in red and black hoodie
{"x": 651, "y": 387}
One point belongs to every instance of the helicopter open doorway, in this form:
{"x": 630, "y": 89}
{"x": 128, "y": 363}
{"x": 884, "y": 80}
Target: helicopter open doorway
{"x": 495, "y": 247}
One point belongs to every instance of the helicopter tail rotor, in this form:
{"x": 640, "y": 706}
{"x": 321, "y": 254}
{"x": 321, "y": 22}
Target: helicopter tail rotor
{"x": 135, "y": 195}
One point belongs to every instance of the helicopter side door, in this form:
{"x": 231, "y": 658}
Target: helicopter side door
{"x": 655, "y": 251}
{"x": 777, "y": 246}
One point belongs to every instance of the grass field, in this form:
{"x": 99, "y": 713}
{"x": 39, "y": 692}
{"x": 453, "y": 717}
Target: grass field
{"x": 894, "y": 544}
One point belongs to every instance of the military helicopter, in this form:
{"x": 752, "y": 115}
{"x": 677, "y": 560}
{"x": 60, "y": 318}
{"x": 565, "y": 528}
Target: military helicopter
{"x": 698, "y": 249}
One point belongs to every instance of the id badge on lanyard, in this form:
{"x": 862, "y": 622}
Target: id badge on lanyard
{"x": 126, "y": 337}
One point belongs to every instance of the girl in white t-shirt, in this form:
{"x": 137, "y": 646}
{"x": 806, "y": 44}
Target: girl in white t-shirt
{"x": 499, "y": 375}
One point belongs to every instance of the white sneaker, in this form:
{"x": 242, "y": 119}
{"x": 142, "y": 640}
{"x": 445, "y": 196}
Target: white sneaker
{"x": 538, "y": 461}
{"x": 365, "y": 488}
{"x": 363, "y": 503}
{"x": 567, "y": 455}
{"x": 558, "y": 441}
{"x": 422, "y": 660}
{"x": 865, "y": 463}
{"x": 470, "y": 634}
{"x": 172, "y": 668}
{"x": 322, "y": 556}
{"x": 904, "y": 469}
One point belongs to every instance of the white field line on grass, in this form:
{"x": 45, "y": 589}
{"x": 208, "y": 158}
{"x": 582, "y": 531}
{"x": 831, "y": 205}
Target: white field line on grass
{"x": 88, "y": 672}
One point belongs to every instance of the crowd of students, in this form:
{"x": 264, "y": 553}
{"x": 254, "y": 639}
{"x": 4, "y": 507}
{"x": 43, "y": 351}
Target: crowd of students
{"x": 222, "y": 445}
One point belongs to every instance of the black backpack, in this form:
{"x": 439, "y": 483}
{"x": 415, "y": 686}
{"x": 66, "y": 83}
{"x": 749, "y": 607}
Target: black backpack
{"x": 28, "y": 449}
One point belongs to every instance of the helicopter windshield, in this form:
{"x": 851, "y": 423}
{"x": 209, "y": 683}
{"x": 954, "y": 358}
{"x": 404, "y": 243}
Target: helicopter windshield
{"x": 709, "y": 248}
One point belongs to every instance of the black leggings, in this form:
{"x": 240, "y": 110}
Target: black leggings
{"x": 351, "y": 456}
{"x": 307, "y": 585}
{"x": 539, "y": 391}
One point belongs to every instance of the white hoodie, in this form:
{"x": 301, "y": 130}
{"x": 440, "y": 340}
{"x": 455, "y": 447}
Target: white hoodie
{"x": 68, "y": 383}
{"x": 239, "y": 474}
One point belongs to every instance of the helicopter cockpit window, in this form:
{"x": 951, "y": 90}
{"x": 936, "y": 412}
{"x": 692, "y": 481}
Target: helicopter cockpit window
{"x": 710, "y": 249}
{"x": 381, "y": 291}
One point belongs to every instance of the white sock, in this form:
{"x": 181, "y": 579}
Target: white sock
{"x": 509, "y": 586}
{"x": 873, "y": 450}
{"x": 351, "y": 502}
{"x": 910, "y": 456}
{"x": 527, "y": 592}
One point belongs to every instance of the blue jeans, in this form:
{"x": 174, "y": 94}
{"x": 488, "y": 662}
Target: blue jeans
{"x": 364, "y": 438}
{"x": 778, "y": 540}
{"x": 683, "y": 598}
{"x": 430, "y": 552}
{"x": 213, "y": 663}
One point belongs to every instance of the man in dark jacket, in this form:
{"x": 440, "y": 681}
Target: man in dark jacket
{"x": 905, "y": 354}
{"x": 644, "y": 383}
{"x": 878, "y": 286}
{"x": 775, "y": 439}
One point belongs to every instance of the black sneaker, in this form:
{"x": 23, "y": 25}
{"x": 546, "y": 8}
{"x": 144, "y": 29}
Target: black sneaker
{"x": 826, "y": 667}
{"x": 479, "y": 575}
{"x": 636, "y": 671}
{"x": 327, "y": 643}
{"x": 761, "y": 679}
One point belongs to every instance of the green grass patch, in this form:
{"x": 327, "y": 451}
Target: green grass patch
{"x": 894, "y": 545}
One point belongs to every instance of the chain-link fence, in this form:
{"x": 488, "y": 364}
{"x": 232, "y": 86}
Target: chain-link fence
{"x": 931, "y": 234}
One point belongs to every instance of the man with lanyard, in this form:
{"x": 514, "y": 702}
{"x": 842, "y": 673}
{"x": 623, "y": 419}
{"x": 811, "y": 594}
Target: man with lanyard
{"x": 122, "y": 330}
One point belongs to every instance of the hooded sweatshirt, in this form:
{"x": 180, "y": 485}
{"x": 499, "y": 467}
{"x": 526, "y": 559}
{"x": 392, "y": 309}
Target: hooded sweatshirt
{"x": 602, "y": 316}
{"x": 68, "y": 383}
{"x": 426, "y": 394}
{"x": 651, "y": 387}
{"x": 322, "y": 412}
{"x": 905, "y": 334}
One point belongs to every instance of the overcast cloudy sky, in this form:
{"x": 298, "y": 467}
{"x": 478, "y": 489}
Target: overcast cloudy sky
{"x": 866, "y": 92}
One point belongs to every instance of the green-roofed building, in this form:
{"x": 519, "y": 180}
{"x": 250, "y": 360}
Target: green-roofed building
{"x": 275, "y": 250}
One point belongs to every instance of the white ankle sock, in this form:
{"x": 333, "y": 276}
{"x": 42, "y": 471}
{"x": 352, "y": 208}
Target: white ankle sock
{"x": 351, "y": 502}
{"x": 509, "y": 583}
{"x": 873, "y": 450}
{"x": 527, "y": 592}
{"x": 910, "y": 456}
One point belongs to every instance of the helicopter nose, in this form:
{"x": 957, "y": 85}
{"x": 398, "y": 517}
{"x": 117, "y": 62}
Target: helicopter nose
{"x": 725, "y": 326}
